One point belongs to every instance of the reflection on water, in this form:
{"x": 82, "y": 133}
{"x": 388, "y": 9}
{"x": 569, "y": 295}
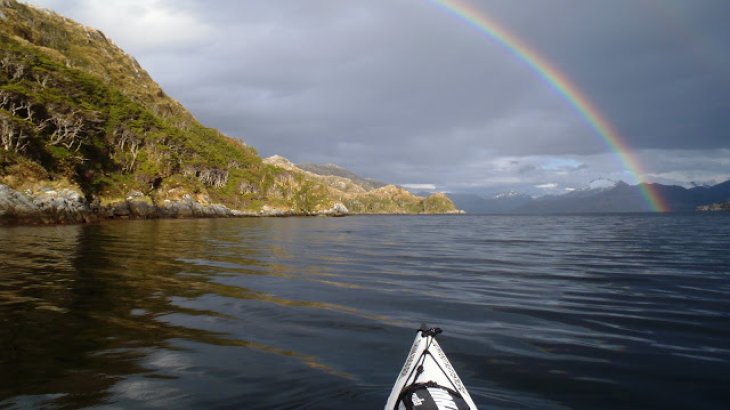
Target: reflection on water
{"x": 317, "y": 313}
{"x": 82, "y": 306}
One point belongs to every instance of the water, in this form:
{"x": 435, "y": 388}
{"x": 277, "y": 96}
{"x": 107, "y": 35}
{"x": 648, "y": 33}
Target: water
{"x": 548, "y": 312}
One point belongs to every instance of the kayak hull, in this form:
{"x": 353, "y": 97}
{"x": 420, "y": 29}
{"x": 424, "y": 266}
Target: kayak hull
{"x": 427, "y": 379}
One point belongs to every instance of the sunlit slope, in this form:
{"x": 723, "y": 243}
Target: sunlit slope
{"x": 76, "y": 111}
{"x": 362, "y": 198}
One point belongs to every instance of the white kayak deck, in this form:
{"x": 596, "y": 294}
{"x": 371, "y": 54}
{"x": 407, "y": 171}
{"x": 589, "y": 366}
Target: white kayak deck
{"x": 427, "y": 364}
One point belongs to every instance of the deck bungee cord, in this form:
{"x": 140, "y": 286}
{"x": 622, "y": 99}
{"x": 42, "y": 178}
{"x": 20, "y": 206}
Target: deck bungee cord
{"x": 428, "y": 381}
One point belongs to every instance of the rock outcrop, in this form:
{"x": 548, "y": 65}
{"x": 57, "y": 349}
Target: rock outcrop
{"x": 46, "y": 206}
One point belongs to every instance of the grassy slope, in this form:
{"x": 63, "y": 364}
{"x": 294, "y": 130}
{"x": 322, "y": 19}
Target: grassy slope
{"x": 76, "y": 110}
{"x": 89, "y": 114}
{"x": 360, "y": 199}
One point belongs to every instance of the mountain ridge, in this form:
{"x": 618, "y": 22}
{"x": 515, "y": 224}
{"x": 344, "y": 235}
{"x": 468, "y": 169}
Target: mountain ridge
{"x": 336, "y": 170}
{"x": 621, "y": 197}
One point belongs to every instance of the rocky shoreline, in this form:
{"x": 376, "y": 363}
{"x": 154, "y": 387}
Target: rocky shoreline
{"x": 65, "y": 206}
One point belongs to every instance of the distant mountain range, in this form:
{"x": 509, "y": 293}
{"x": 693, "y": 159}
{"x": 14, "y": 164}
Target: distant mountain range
{"x": 597, "y": 197}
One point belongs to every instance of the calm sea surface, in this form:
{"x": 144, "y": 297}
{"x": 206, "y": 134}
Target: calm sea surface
{"x": 538, "y": 312}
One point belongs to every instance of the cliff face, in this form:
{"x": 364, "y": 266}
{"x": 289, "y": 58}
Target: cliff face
{"x": 77, "y": 114}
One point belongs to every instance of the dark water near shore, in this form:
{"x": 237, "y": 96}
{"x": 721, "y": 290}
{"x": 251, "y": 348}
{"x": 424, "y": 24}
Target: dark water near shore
{"x": 554, "y": 312}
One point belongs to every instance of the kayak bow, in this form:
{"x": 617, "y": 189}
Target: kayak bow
{"x": 427, "y": 380}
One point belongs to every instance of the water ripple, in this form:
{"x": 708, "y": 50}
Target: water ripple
{"x": 600, "y": 311}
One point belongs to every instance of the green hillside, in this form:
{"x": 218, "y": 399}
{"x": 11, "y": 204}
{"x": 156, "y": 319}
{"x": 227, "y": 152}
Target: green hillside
{"x": 77, "y": 112}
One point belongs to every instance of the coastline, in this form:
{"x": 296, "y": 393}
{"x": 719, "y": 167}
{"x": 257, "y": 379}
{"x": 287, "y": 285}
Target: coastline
{"x": 49, "y": 206}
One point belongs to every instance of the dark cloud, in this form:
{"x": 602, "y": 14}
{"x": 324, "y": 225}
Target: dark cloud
{"x": 403, "y": 91}
{"x": 656, "y": 70}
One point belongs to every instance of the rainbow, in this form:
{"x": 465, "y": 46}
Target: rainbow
{"x": 560, "y": 83}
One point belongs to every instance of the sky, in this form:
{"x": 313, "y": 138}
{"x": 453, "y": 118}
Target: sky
{"x": 405, "y": 92}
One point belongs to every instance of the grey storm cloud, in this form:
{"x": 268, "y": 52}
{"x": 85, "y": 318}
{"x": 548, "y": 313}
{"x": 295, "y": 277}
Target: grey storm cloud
{"x": 403, "y": 91}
